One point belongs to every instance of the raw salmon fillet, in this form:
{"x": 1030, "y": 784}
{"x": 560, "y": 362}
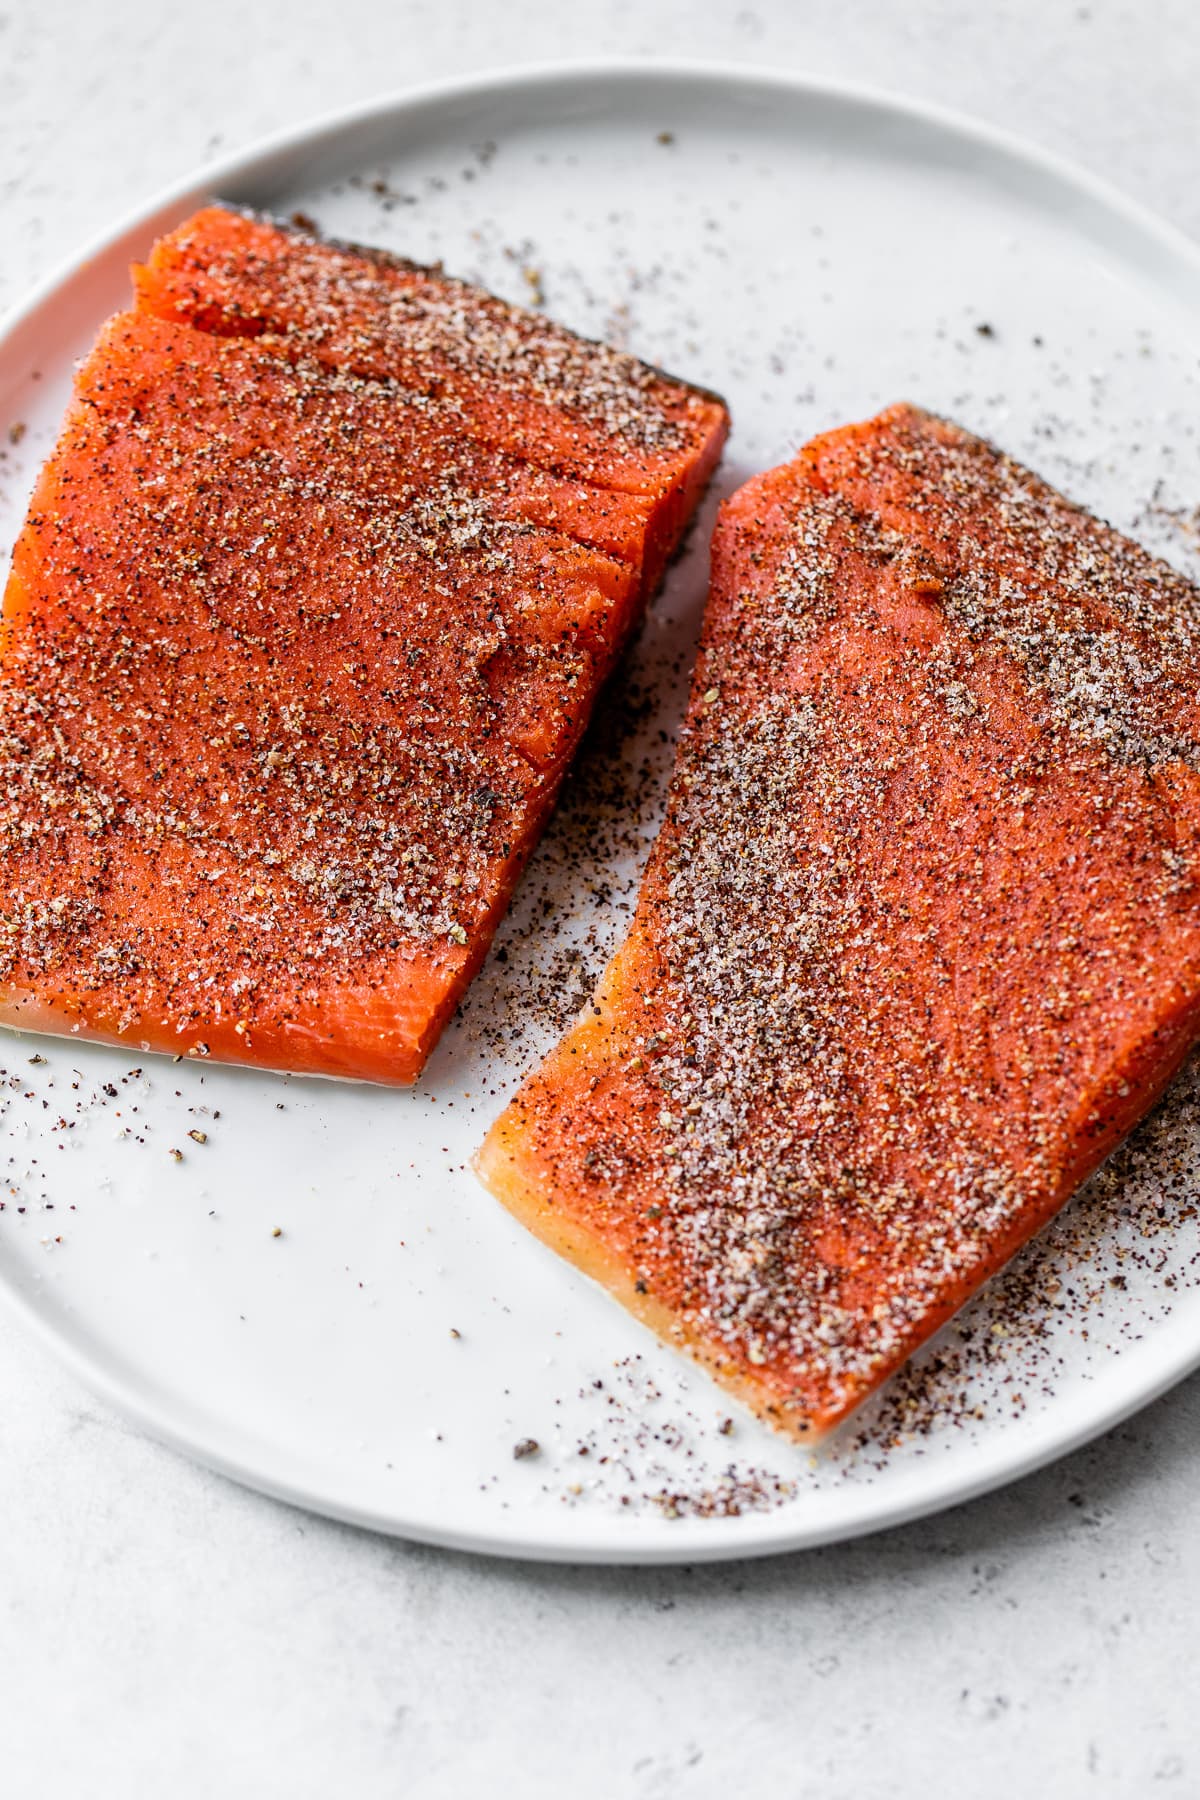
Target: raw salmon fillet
{"x": 511, "y": 377}
{"x": 292, "y": 662}
{"x": 919, "y": 941}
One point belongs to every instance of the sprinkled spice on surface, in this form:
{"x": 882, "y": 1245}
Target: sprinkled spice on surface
{"x": 919, "y": 940}
{"x": 525, "y": 383}
{"x": 294, "y": 656}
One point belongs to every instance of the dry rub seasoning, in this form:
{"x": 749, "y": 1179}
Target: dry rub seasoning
{"x": 920, "y": 939}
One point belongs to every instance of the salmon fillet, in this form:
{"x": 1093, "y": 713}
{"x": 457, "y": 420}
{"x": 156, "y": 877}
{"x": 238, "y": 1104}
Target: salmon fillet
{"x": 919, "y": 941}
{"x": 512, "y": 378}
{"x": 292, "y": 662}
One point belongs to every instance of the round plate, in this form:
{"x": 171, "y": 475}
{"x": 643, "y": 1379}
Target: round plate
{"x": 813, "y": 253}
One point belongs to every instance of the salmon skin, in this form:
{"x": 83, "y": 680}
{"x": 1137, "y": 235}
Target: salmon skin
{"x": 513, "y": 378}
{"x": 919, "y": 941}
{"x": 292, "y": 662}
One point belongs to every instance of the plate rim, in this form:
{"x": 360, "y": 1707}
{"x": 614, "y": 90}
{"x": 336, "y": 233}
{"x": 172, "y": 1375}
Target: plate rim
{"x": 1126, "y": 1389}
{"x": 547, "y": 74}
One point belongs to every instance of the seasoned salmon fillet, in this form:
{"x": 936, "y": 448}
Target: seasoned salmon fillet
{"x": 919, "y": 941}
{"x": 512, "y": 378}
{"x": 292, "y": 662}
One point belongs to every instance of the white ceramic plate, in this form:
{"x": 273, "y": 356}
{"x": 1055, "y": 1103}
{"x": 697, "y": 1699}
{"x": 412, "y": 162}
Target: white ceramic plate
{"x": 813, "y": 253}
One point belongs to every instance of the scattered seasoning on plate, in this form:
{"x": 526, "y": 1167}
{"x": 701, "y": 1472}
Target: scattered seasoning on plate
{"x": 532, "y": 277}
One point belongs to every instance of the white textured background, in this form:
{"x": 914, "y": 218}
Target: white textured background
{"x": 163, "y": 1633}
